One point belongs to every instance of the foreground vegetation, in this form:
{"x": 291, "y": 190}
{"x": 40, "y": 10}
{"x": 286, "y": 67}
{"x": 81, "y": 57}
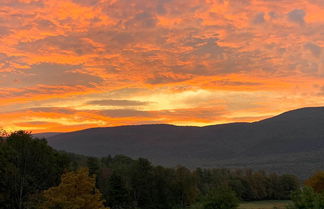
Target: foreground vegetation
{"x": 35, "y": 176}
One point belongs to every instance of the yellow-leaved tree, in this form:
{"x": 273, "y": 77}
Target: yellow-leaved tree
{"x": 77, "y": 190}
{"x": 316, "y": 181}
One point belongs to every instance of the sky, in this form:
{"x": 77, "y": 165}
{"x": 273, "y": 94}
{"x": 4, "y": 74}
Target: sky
{"x": 75, "y": 64}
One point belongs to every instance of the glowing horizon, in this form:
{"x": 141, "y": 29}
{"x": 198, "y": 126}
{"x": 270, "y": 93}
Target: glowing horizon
{"x": 76, "y": 64}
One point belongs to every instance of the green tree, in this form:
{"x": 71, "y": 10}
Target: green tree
{"x": 28, "y": 166}
{"x": 186, "y": 186}
{"x": 93, "y": 165}
{"x": 307, "y": 198}
{"x": 221, "y": 198}
{"x": 77, "y": 190}
{"x": 141, "y": 183}
{"x": 117, "y": 193}
{"x": 288, "y": 184}
{"x": 164, "y": 196}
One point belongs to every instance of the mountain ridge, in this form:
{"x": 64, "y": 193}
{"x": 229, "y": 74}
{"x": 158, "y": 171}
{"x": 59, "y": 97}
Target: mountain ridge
{"x": 282, "y": 143}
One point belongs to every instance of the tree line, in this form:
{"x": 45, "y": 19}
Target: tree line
{"x": 33, "y": 175}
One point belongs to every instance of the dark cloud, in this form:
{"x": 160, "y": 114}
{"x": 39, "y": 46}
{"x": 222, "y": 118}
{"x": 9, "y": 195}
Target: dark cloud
{"x": 29, "y": 93}
{"x": 209, "y": 46}
{"x": 87, "y": 2}
{"x": 314, "y": 49}
{"x": 33, "y": 123}
{"x": 124, "y": 9}
{"x": 297, "y": 16}
{"x": 69, "y": 43}
{"x": 306, "y": 66}
{"x": 212, "y": 59}
{"x": 318, "y": 2}
{"x": 59, "y": 74}
{"x": 273, "y": 14}
{"x": 123, "y": 38}
{"x": 111, "y": 102}
{"x": 142, "y": 20}
{"x": 8, "y": 62}
{"x": 235, "y": 83}
{"x": 259, "y": 18}
{"x": 48, "y": 74}
{"x": 52, "y": 109}
{"x": 122, "y": 113}
{"x": 45, "y": 24}
{"x": 163, "y": 79}
{"x": 238, "y": 5}
{"x": 113, "y": 40}
{"x": 22, "y": 4}
{"x": 4, "y": 31}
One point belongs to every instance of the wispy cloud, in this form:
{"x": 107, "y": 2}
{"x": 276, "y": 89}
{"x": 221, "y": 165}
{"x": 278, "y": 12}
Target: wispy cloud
{"x": 113, "y": 102}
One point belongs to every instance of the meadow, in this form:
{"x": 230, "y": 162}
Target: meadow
{"x": 268, "y": 204}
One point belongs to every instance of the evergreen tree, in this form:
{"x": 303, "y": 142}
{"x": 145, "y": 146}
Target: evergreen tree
{"x": 117, "y": 194}
{"x": 141, "y": 182}
{"x": 93, "y": 165}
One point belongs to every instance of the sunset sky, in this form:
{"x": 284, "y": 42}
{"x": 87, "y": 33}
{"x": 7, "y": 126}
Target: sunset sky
{"x": 74, "y": 64}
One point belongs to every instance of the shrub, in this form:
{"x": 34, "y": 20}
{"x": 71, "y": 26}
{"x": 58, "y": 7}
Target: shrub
{"x": 307, "y": 198}
{"x": 221, "y": 198}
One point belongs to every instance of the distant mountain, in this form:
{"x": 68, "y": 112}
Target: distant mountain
{"x": 292, "y": 142}
{"x": 46, "y": 135}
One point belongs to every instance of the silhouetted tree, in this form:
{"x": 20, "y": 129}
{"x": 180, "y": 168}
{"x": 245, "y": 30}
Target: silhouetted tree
{"x": 118, "y": 196}
{"x": 28, "y": 166}
{"x": 141, "y": 182}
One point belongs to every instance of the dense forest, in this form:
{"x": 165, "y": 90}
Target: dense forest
{"x": 33, "y": 175}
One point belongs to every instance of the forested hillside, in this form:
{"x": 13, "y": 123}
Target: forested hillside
{"x": 292, "y": 142}
{"x": 30, "y": 177}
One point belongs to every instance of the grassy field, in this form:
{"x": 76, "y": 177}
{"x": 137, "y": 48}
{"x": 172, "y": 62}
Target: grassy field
{"x": 271, "y": 204}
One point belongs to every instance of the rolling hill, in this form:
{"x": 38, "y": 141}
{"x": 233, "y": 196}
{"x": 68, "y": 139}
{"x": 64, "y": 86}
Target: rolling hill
{"x": 292, "y": 142}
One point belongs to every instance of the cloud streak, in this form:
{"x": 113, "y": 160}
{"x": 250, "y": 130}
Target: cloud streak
{"x": 112, "y": 102}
